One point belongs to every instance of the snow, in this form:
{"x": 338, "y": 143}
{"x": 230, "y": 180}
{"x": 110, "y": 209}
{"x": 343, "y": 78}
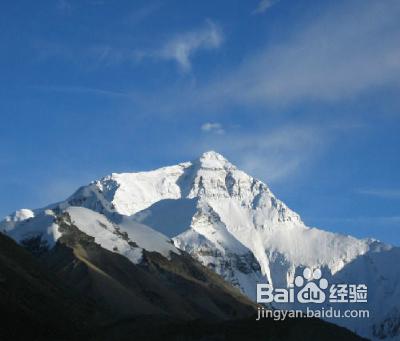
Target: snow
{"x": 162, "y": 215}
{"x": 23, "y": 214}
{"x": 104, "y": 232}
{"x": 108, "y": 234}
{"x": 261, "y": 231}
{"x": 148, "y": 238}
{"x": 212, "y": 160}
{"x": 42, "y": 225}
{"x": 133, "y": 192}
{"x": 10, "y": 221}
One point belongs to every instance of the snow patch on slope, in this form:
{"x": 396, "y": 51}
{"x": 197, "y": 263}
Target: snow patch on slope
{"x": 104, "y": 232}
{"x": 148, "y": 238}
{"x": 117, "y": 237}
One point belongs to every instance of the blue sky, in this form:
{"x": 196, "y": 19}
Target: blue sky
{"x": 302, "y": 94}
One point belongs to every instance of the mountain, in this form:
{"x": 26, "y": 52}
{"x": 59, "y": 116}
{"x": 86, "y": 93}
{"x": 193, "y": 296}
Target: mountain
{"x": 78, "y": 290}
{"x": 227, "y": 220}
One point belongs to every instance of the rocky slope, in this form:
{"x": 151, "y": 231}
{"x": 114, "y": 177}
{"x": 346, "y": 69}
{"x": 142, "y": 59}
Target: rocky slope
{"x": 79, "y": 291}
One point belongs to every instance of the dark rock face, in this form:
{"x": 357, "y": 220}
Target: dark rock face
{"x": 36, "y": 245}
{"x": 34, "y": 304}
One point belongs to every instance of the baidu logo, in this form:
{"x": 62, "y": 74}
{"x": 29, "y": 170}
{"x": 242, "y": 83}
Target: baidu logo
{"x": 311, "y": 292}
{"x": 311, "y": 287}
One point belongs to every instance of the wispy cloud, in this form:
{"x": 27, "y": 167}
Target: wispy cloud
{"x": 382, "y": 193}
{"x": 211, "y": 127}
{"x": 333, "y": 57}
{"x": 264, "y": 5}
{"x": 182, "y": 47}
{"x": 86, "y": 90}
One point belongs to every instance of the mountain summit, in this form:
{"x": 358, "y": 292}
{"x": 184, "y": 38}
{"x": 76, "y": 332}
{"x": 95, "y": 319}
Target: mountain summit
{"x": 230, "y": 222}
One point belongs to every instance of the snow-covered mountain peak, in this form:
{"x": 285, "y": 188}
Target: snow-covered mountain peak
{"x": 211, "y": 176}
{"x": 214, "y": 160}
{"x": 210, "y": 180}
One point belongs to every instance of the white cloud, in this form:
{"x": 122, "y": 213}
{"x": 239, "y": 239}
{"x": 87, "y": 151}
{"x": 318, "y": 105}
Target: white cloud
{"x": 212, "y": 127}
{"x": 264, "y": 5}
{"x": 184, "y": 46}
{"x": 334, "y": 57}
{"x": 382, "y": 193}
